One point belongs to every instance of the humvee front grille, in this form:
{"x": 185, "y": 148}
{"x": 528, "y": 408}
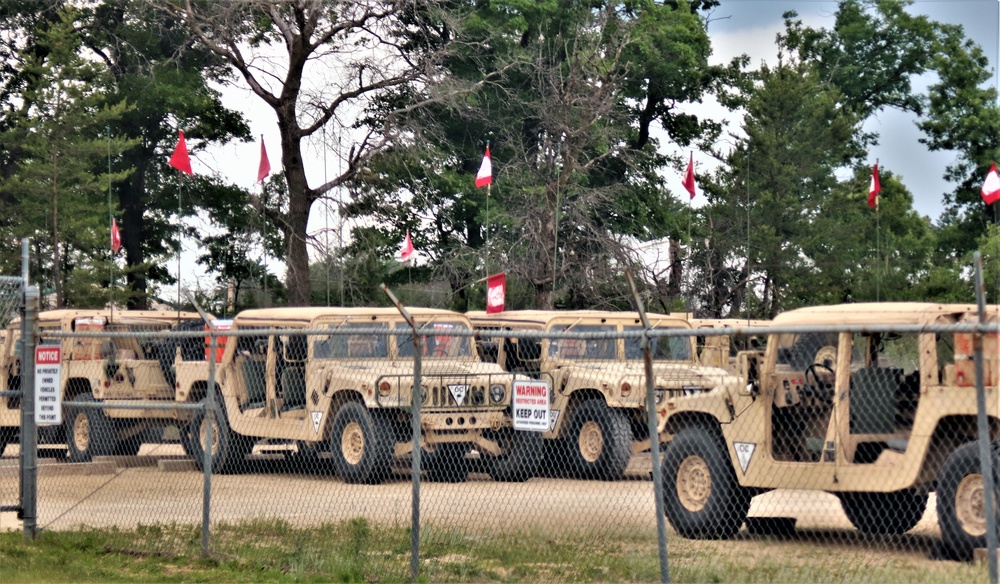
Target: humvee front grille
{"x": 450, "y": 391}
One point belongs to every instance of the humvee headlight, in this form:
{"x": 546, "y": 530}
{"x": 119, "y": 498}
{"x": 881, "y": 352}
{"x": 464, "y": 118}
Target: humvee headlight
{"x": 384, "y": 388}
{"x": 661, "y": 394}
{"x": 423, "y": 394}
{"x": 626, "y": 388}
{"x": 497, "y": 393}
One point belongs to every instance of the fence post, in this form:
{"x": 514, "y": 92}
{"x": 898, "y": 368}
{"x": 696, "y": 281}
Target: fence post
{"x": 982, "y": 425}
{"x": 29, "y": 433}
{"x": 654, "y": 435}
{"x": 209, "y": 417}
{"x": 415, "y": 400}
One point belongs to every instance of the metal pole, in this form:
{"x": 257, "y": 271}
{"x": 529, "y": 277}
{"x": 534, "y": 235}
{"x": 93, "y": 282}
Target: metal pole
{"x": 414, "y": 436}
{"x": 29, "y": 433}
{"x": 654, "y": 434}
{"x": 206, "y": 496}
{"x": 982, "y": 425}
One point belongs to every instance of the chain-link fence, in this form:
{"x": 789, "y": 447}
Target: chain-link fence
{"x": 853, "y": 427}
{"x": 11, "y": 297}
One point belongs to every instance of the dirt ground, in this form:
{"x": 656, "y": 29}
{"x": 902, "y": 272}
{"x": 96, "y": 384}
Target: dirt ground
{"x": 161, "y": 486}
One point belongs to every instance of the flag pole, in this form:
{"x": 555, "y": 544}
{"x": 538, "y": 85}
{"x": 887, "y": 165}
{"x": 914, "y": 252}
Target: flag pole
{"x": 111, "y": 217}
{"x": 486, "y": 263}
{"x": 878, "y": 246}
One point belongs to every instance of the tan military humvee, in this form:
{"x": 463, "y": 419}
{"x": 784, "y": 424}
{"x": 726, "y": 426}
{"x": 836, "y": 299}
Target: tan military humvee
{"x": 349, "y": 392}
{"x": 101, "y": 369}
{"x": 878, "y": 418}
{"x": 721, "y": 350}
{"x": 598, "y": 417}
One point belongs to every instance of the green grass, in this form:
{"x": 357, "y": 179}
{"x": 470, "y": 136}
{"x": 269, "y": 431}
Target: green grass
{"x": 357, "y": 551}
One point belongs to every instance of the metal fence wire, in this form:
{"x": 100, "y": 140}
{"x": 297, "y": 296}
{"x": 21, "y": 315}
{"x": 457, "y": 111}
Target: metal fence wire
{"x": 531, "y": 428}
{"x": 11, "y": 300}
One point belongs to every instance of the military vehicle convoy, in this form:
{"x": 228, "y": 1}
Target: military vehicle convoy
{"x": 348, "y": 392}
{"x": 879, "y": 419}
{"x": 109, "y": 370}
{"x": 597, "y": 416}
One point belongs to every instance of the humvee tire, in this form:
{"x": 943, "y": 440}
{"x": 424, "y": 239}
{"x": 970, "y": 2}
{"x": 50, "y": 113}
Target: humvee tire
{"x": 446, "y": 463}
{"x": 598, "y": 443}
{"x": 701, "y": 494}
{"x": 960, "y": 501}
{"x": 6, "y": 437}
{"x": 522, "y": 455}
{"x": 88, "y": 431}
{"x": 228, "y": 450}
{"x": 884, "y": 513}
{"x": 361, "y": 445}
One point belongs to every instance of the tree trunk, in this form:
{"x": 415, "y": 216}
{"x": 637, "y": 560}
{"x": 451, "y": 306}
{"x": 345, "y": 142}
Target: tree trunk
{"x": 130, "y": 199}
{"x": 299, "y": 200}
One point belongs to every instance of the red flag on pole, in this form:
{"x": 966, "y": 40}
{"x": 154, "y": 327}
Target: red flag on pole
{"x": 689, "y": 183}
{"x": 179, "y": 159}
{"x": 116, "y": 238}
{"x": 874, "y": 188}
{"x": 407, "y": 252}
{"x": 264, "y": 168}
{"x": 496, "y": 292}
{"x": 991, "y": 187}
{"x": 485, "y": 174}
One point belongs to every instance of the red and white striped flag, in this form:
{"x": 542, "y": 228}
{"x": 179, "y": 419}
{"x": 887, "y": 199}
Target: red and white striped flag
{"x": 407, "y": 252}
{"x": 116, "y": 238}
{"x": 874, "y": 188}
{"x": 689, "y": 183}
{"x": 991, "y": 187}
{"x": 485, "y": 174}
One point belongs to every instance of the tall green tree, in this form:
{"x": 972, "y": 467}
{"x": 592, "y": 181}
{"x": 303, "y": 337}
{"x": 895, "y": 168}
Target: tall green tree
{"x": 575, "y": 99}
{"x": 279, "y": 47}
{"x": 57, "y": 195}
{"x": 156, "y": 66}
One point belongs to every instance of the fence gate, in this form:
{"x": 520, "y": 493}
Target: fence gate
{"x": 11, "y": 303}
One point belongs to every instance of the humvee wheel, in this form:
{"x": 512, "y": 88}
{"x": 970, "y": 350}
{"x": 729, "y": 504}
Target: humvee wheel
{"x": 522, "y": 455}
{"x": 598, "y": 442}
{"x": 702, "y": 497}
{"x": 361, "y": 445}
{"x": 228, "y": 449}
{"x": 6, "y": 437}
{"x": 960, "y": 502}
{"x": 446, "y": 463}
{"x": 884, "y": 513}
{"x": 88, "y": 431}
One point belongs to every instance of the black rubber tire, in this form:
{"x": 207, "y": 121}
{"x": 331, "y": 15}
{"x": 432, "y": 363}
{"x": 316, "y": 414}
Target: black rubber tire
{"x": 960, "y": 497}
{"x": 607, "y": 438}
{"x": 229, "y": 450}
{"x": 701, "y": 494}
{"x": 523, "y": 452}
{"x": 884, "y": 513}
{"x": 88, "y": 431}
{"x": 6, "y": 437}
{"x": 446, "y": 463}
{"x": 361, "y": 445}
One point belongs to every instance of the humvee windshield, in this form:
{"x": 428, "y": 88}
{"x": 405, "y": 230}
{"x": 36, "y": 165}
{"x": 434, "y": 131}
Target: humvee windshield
{"x": 588, "y": 349}
{"x": 346, "y": 344}
{"x": 667, "y": 348}
{"x": 440, "y": 344}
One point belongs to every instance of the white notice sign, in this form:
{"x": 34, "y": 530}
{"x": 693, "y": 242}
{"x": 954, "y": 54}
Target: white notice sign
{"x": 48, "y": 388}
{"x": 531, "y": 405}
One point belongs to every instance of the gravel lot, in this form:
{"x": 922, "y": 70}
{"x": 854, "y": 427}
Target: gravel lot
{"x": 161, "y": 486}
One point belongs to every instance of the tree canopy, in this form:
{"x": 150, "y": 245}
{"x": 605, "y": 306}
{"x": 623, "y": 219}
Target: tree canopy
{"x": 584, "y": 107}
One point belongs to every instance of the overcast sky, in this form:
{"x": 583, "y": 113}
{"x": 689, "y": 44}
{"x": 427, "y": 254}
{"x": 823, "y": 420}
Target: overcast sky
{"x": 735, "y": 27}
{"x": 749, "y": 26}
